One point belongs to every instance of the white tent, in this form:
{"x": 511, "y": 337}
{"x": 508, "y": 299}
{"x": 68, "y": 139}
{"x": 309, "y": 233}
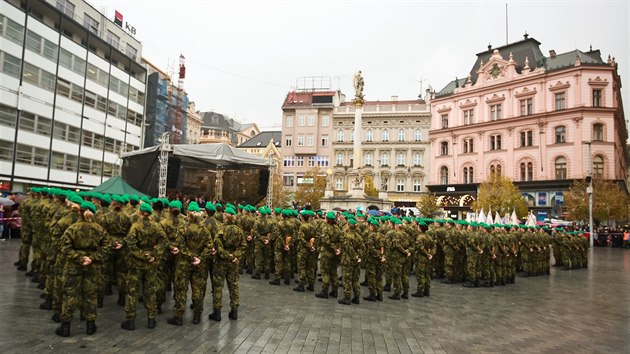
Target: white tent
{"x": 514, "y": 218}
{"x": 489, "y": 220}
{"x": 497, "y": 218}
{"x": 481, "y": 217}
{"x": 506, "y": 219}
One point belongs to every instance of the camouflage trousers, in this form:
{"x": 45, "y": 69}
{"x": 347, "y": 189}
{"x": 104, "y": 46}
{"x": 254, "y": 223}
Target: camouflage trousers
{"x": 225, "y": 272}
{"x": 423, "y": 275}
{"x": 147, "y": 279}
{"x": 283, "y": 264}
{"x": 472, "y": 266}
{"x": 263, "y": 257}
{"x": 351, "y": 284}
{"x": 56, "y": 286}
{"x": 49, "y": 281}
{"x": 374, "y": 275}
{"x": 25, "y": 245}
{"x": 46, "y": 258}
{"x": 119, "y": 269}
{"x": 404, "y": 276}
{"x": 248, "y": 260}
{"x": 459, "y": 266}
{"x": 396, "y": 267}
{"x": 329, "y": 264}
{"x": 438, "y": 262}
{"x": 306, "y": 266}
{"x": 166, "y": 275}
{"x": 197, "y": 277}
{"x": 486, "y": 268}
{"x": 79, "y": 289}
{"x": 448, "y": 262}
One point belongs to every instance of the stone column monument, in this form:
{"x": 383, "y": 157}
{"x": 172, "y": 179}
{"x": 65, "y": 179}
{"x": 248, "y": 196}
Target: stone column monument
{"x": 356, "y": 189}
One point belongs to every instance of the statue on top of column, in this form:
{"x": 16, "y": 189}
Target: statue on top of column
{"x": 358, "y": 83}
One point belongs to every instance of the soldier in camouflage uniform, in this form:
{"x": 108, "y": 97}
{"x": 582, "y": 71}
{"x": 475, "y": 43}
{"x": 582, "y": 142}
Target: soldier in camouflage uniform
{"x": 26, "y": 234}
{"x": 474, "y": 249}
{"x": 282, "y": 244}
{"x": 84, "y": 246}
{"x": 306, "y": 252}
{"x": 374, "y": 262}
{"x": 145, "y": 245}
{"x": 352, "y": 250}
{"x": 330, "y": 252}
{"x": 247, "y": 222}
{"x": 230, "y": 244}
{"x": 213, "y": 226}
{"x": 423, "y": 253}
{"x": 263, "y": 230}
{"x": 399, "y": 253}
{"x": 172, "y": 224}
{"x": 194, "y": 248}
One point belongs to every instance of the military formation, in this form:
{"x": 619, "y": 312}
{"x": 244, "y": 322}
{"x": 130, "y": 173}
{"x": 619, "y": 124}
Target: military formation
{"x": 85, "y": 244}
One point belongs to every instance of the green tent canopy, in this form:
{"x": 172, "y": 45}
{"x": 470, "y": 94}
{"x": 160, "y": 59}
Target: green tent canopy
{"x": 117, "y": 185}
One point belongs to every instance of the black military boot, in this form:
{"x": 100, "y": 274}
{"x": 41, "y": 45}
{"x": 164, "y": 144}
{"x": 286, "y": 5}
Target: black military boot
{"x": 418, "y": 294}
{"x": 275, "y": 282}
{"x": 90, "y": 328}
{"x": 322, "y": 295}
{"x": 81, "y": 316}
{"x": 55, "y": 318}
{"x": 405, "y": 295}
{"x": 176, "y": 321}
{"x": 121, "y": 299}
{"x": 47, "y": 304}
{"x": 63, "y": 330}
{"x": 99, "y": 301}
{"x": 151, "y": 323}
{"x": 17, "y": 263}
{"x": 379, "y": 297}
{"x": 215, "y": 315}
{"x": 41, "y": 285}
{"x": 370, "y": 298}
{"x": 266, "y": 275}
{"x": 299, "y": 288}
{"x": 287, "y": 281}
{"x": 427, "y": 292}
{"x": 447, "y": 281}
{"x": 387, "y": 288}
{"x": 197, "y": 318}
{"x": 256, "y": 275}
{"x": 364, "y": 283}
{"x": 310, "y": 287}
{"x": 394, "y": 297}
{"x": 249, "y": 271}
{"x": 355, "y": 300}
{"x": 159, "y": 307}
{"x": 469, "y": 284}
{"x": 233, "y": 315}
{"x": 21, "y": 267}
{"x": 129, "y": 324}
{"x": 344, "y": 301}
{"x": 333, "y": 293}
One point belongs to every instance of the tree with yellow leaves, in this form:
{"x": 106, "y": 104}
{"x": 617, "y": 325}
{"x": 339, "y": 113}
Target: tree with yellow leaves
{"x": 500, "y": 194}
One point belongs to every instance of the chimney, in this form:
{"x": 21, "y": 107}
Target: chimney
{"x": 394, "y": 98}
{"x": 552, "y": 53}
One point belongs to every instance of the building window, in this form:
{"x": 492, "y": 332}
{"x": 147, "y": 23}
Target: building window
{"x": 324, "y": 140}
{"x": 13, "y": 31}
{"x": 7, "y": 116}
{"x": 131, "y": 52}
{"x": 561, "y": 135}
{"x": 10, "y": 65}
{"x": 309, "y": 140}
{"x": 300, "y": 140}
{"x": 310, "y": 120}
{"x": 417, "y": 159}
{"x": 560, "y": 101}
{"x": 42, "y": 46}
{"x": 352, "y": 135}
{"x": 31, "y": 155}
{"x": 495, "y": 168}
{"x": 527, "y": 171}
{"x": 495, "y": 112}
{"x": 597, "y": 98}
{"x": 598, "y": 166}
{"x": 339, "y": 160}
{"x": 368, "y": 136}
{"x": 598, "y": 132}
{"x": 325, "y": 121}
{"x": 468, "y": 175}
{"x": 444, "y": 148}
{"x": 289, "y": 161}
{"x": 66, "y": 7}
{"x": 401, "y": 159}
{"x": 367, "y": 159}
{"x": 495, "y": 142}
{"x": 301, "y": 120}
{"x": 401, "y": 135}
{"x": 288, "y": 140}
{"x": 468, "y": 146}
{"x": 112, "y": 39}
{"x": 90, "y": 23}
{"x": 444, "y": 175}
{"x": 300, "y": 161}
{"x": 400, "y": 185}
{"x": 6, "y": 150}
{"x": 385, "y": 159}
{"x": 38, "y": 77}
{"x": 311, "y": 161}
{"x": 444, "y": 121}
{"x": 287, "y": 181}
{"x": 526, "y": 138}
{"x": 385, "y": 136}
{"x": 289, "y": 121}
{"x": 527, "y": 107}
{"x": 417, "y": 186}
{"x": 561, "y": 168}
{"x": 418, "y": 135}
{"x": 340, "y": 136}
{"x": 469, "y": 117}
{"x": 338, "y": 183}
{"x": 35, "y": 124}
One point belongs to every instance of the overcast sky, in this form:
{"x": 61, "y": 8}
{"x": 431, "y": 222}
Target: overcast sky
{"x": 242, "y": 57}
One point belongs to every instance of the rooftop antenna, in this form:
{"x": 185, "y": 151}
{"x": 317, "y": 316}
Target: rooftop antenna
{"x": 506, "y": 23}
{"x": 421, "y": 80}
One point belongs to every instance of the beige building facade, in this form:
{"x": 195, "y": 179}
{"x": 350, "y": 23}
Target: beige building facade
{"x": 193, "y": 124}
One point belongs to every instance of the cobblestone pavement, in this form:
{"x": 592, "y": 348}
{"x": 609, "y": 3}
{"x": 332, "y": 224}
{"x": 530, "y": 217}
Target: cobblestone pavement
{"x": 576, "y": 311}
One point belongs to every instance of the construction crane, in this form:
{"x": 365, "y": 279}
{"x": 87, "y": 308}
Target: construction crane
{"x": 180, "y": 91}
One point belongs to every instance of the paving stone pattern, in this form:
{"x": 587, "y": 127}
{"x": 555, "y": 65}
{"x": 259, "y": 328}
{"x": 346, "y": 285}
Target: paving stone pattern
{"x": 576, "y": 311}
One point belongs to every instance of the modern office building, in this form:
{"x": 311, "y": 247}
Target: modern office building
{"x": 531, "y": 118}
{"x": 72, "y": 93}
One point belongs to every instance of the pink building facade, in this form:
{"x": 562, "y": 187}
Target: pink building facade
{"x": 530, "y": 118}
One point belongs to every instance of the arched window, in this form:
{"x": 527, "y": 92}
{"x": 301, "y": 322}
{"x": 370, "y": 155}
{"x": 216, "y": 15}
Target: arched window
{"x": 401, "y": 135}
{"x": 495, "y": 168}
{"x": 561, "y": 135}
{"x": 418, "y": 135}
{"x": 523, "y": 171}
{"x": 444, "y": 175}
{"x": 527, "y": 171}
{"x": 468, "y": 175}
{"x": 598, "y": 132}
{"x": 368, "y": 136}
{"x": 561, "y": 168}
{"x": 385, "y": 135}
{"x": 340, "y": 136}
{"x": 598, "y": 166}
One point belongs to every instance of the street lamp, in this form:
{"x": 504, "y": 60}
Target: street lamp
{"x": 589, "y": 191}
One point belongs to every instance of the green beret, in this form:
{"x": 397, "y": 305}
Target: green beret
{"x": 464, "y": 223}
{"x": 230, "y": 205}
{"x": 176, "y": 204}
{"x": 440, "y": 221}
{"x": 218, "y": 205}
{"x": 277, "y": 210}
{"x": 230, "y": 211}
{"x": 474, "y": 224}
{"x": 429, "y": 221}
{"x": 546, "y": 228}
{"x": 286, "y": 212}
{"x": 193, "y": 206}
{"x": 374, "y": 222}
{"x": 134, "y": 198}
{"x": 262, "y": 210}
{"x": 320, "y": 213}
{"x": 88, "y": 205}
{"x": 361, "y": 215}
{"x": 145, "y": 199}
{"x": 210, "y": 206}
{"x": 146, "y": 207}
{"x": 330, "y": 215}
{"x": 507, "y": 226}
{"x": 165, "y": 202}
{"x": 422, "y": 223}
{"x": 450, "y": 221}
{"x": 352, "y": 221}
{"x": 118, "y": 199}
{"x": 395, "y": 220}
{"x": 76, "y": 199}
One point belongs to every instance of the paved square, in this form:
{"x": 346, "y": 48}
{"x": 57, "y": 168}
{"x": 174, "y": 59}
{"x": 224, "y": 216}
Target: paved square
{"x": 576, "y": 311}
